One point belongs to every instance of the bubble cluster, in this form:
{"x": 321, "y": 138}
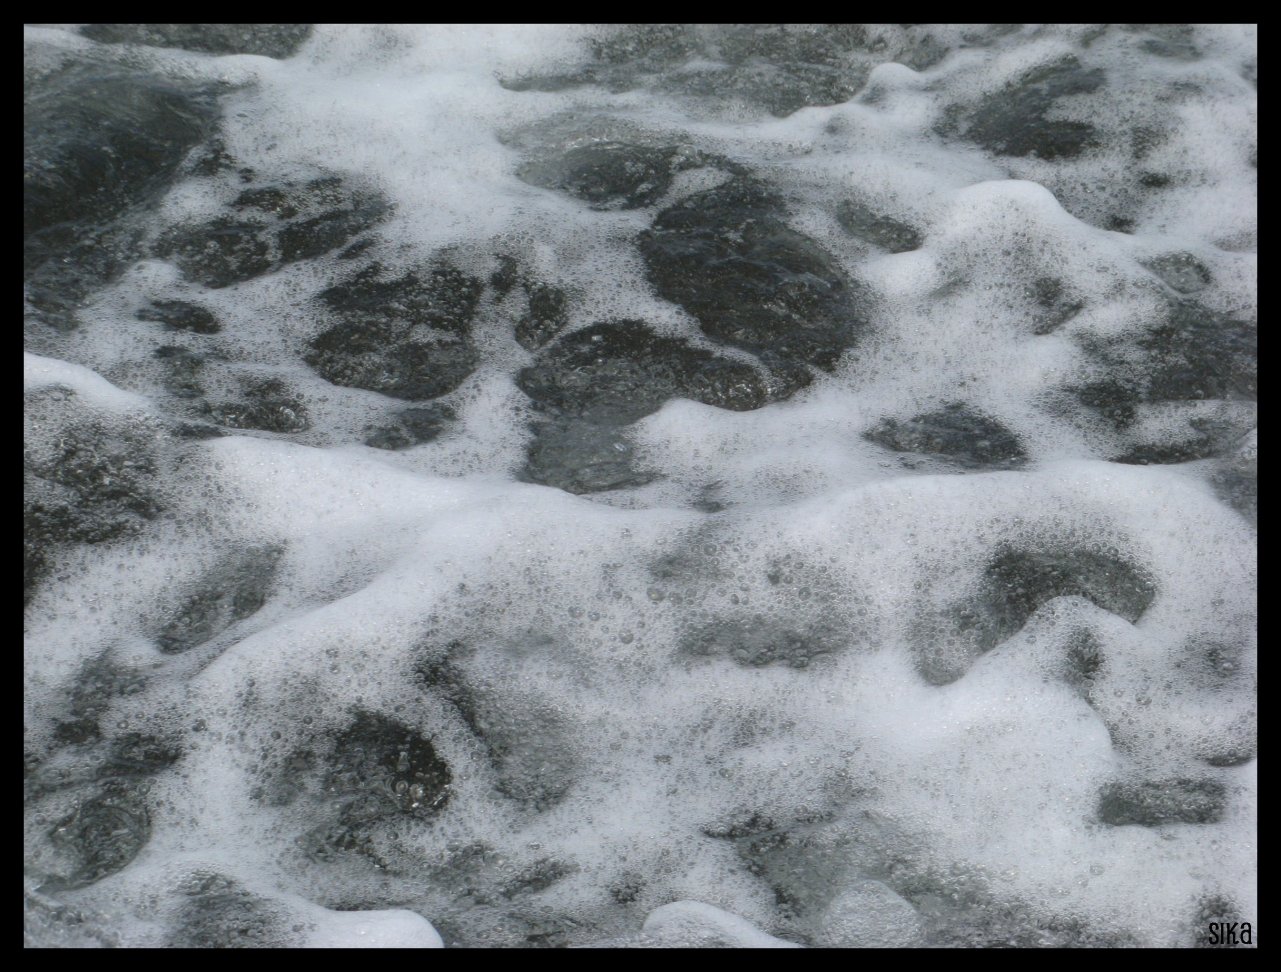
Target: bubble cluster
{"x": 653, "y": 486}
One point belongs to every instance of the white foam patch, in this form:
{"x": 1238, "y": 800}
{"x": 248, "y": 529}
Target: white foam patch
{"x": 694, "y": 713}
{"x": 692, "y": 924}
{"x": 372, "y": 929}
{"x": 41, "y": 372}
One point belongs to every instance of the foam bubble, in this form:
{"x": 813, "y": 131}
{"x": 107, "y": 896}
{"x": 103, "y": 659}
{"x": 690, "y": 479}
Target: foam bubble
{"x": 704, "y": 486}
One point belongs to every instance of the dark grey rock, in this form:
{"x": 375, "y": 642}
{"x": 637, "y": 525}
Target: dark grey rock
{"x": 139, "y": 754}
{"x": 1114, "y": 399}
{"x": 861, "y": 221}
{"x": 547, "y": 316}
{"x": 728, "y": 257}
{"x": 179, "y": 315}
{"x": 982, "y": 918}
{"x": 98, "y": 139}
{"x": 528, "y": 742}
{"x": 507, "y": 274}
{"x": 1175, "y": 41}
{"x": 776, "y": 67}
{"x": 1190, "y": 354}
{"x": 85, "y": 481}
{"x": 1202, "y": 439}
{"x": 1084, "y": 661}
{"x": 1014, "y": 584}
{"x": 1197, "y": 353}
{"x": 212, "y": 159}
{"x": 609, "y": 174}
{"x": 388, "y": 359}
{"x": 656, "y": 43}
{"x": 1237, "y": 480}
{"x": 539, "y": 876}
{"x": 1017, "y": 582}
{"x": 606, "y": 376}
{"x": 380, "y": 767}
{"x": 269, "y": 40}
{"x": 1153, "y": 803}
{"x": 272, "y": 226}
{"x": 374, "y": 773}
{"x": 546, "y": 312}
{"x": 1182, "y": 272}
{"x": 233, "y": 590}
{"x": 102, "y": 836}
{"x": 413, "y": 426}
{"x": 268, "y": 406}
{"x": 220, "y": 252}
{"x": 799, "y": 860}
{"x": 100, "y": 681}
{"x": 216, "y": 913}
{"x": 319, "y": 216}
{"x": 1055, "y": 306}
{"x": 101, "y": 143}
{"x": 780, "y": 89}
{"x": 619, "y": 371}
{"x": 791, "y": 44}
{"x": 1017, "y": 121}
{"x": 955, "y": 433}
{"x": 405, "y": 337}
{"x": 582, "y": 457}
{"x": 182, "y": 371}
{"x": 197, "y": 430}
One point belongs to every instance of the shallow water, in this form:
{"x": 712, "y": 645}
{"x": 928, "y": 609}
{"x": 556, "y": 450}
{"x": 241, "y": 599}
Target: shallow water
{"x": 643, "y": 486}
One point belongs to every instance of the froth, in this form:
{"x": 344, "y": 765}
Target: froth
{"x": 431, "y": 540}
